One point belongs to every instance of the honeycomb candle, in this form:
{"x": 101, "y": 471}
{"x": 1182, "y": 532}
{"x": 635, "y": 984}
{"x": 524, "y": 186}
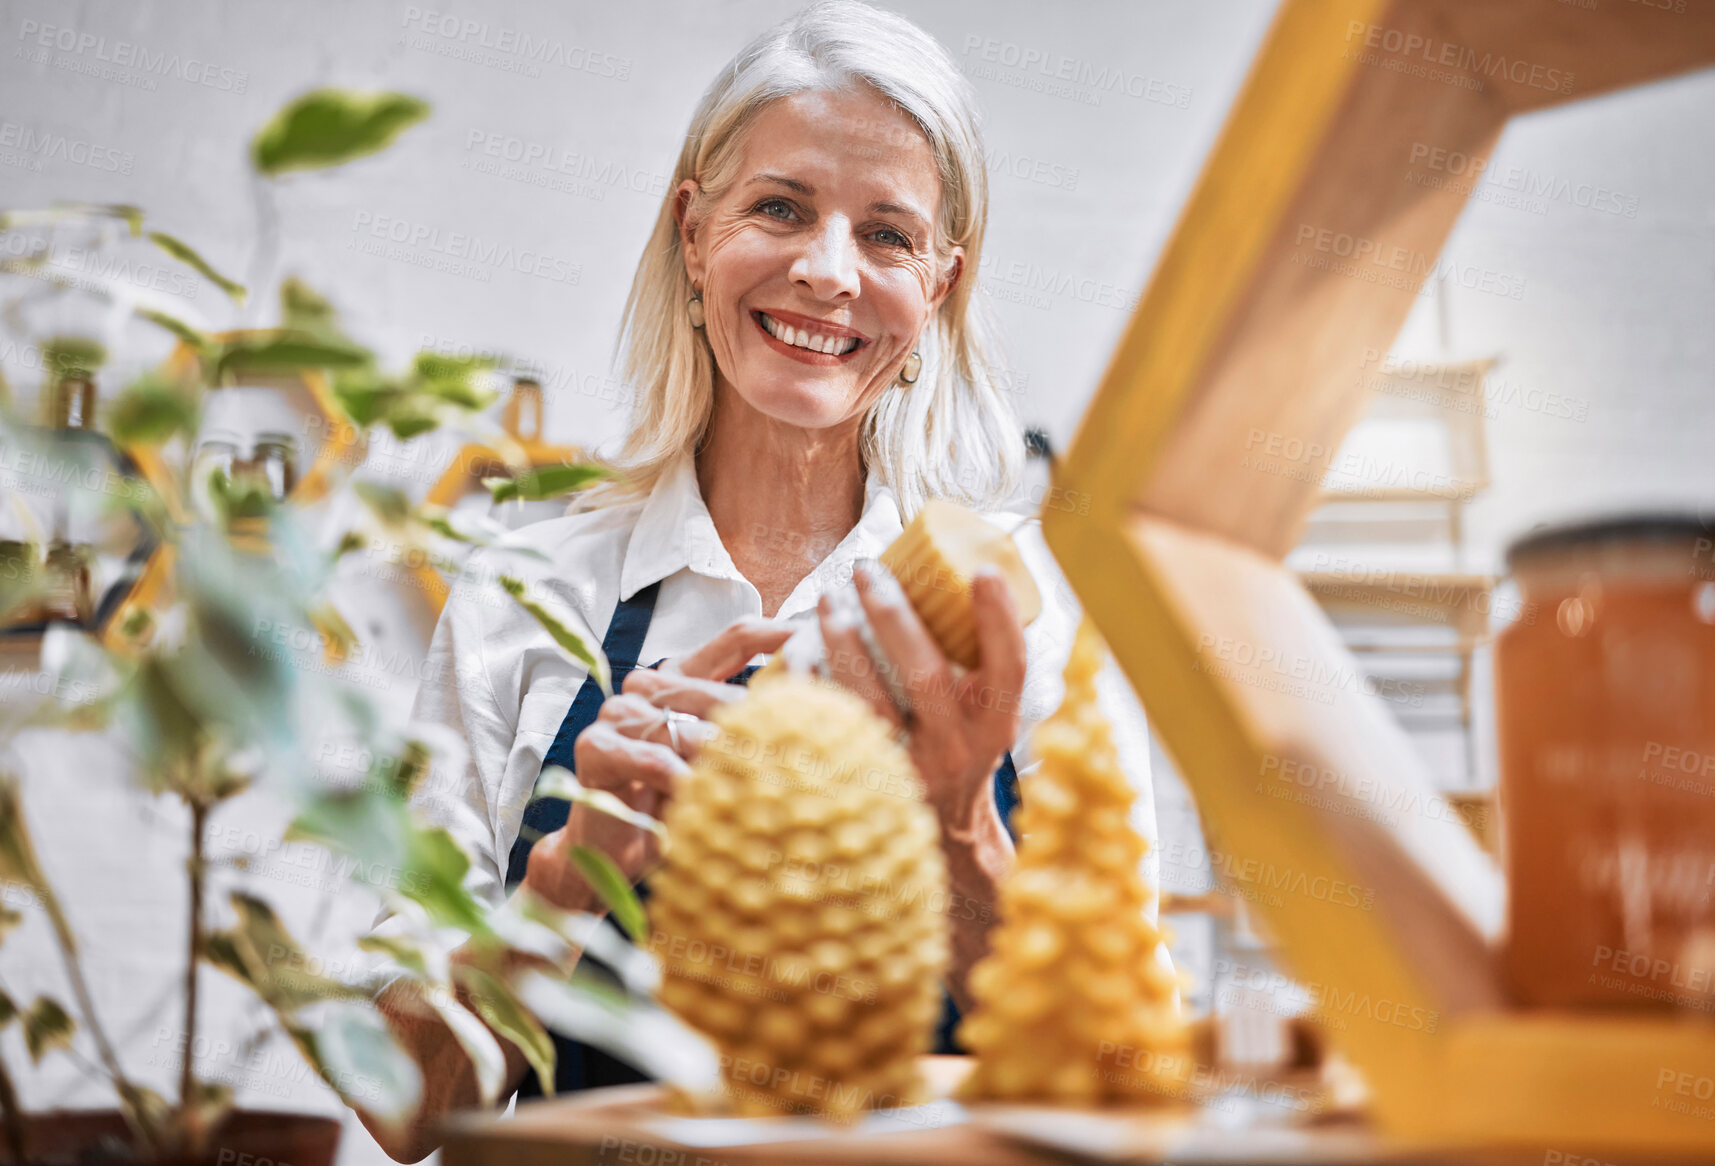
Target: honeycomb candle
{"x": 797, "y": 915}
{"x": 1073, "y": 1005}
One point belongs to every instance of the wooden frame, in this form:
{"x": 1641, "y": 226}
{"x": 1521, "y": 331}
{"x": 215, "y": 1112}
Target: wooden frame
{"x": 342, "y": 444}
{"x": 1301, "y": 249}
{"x": 477, "y": 460}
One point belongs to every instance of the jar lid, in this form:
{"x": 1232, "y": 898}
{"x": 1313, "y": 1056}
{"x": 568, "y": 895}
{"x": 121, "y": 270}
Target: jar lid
{"x": 1660, "y": 528}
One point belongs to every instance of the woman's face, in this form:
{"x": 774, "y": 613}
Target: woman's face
{"x": 817, "y": 268}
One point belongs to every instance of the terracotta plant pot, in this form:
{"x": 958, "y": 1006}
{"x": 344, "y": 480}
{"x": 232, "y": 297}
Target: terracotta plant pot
{"x": 99, "y": 1137}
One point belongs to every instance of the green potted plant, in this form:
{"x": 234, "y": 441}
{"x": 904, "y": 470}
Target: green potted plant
{"x": 210, "y": 711}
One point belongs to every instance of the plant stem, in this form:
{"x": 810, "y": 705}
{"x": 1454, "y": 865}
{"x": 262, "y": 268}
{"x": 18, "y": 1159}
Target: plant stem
{"x": 14, "y": 1118}
{"x": 136, "y": 1114}
{"x": 189, "y": 1117}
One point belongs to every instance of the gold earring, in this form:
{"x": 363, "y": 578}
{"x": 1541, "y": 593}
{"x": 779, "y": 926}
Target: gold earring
{"x": 913, "y": 368}
{"x": 694, "y": 309}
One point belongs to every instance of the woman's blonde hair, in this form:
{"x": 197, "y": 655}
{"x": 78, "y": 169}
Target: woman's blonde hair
{"x": 953, "y": 434}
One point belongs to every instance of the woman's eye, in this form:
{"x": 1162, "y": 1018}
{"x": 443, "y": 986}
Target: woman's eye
{"x": 892, "y": 238}
{"x": 781, "y": 203}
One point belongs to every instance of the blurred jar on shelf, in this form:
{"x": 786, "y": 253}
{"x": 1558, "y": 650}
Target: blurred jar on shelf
{"x": 1605, "y": 706}
{"x": 68, "y": 588}
{"x": 274, "y": 462}
{"x": 268, "y": 461}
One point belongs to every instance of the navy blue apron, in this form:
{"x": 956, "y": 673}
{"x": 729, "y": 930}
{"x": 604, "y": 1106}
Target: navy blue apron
{"x": 579, "y": 1066}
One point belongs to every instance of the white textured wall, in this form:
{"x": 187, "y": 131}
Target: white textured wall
{"x": 1614, "y": 314}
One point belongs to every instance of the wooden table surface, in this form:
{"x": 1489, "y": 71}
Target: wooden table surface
{"x": 630, "y": 1126}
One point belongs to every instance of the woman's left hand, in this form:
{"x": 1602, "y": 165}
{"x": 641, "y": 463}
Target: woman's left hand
{"x": 959, "y": 725}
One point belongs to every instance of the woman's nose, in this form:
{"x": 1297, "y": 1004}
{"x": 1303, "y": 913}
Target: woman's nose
{"x": 828, "y": 264}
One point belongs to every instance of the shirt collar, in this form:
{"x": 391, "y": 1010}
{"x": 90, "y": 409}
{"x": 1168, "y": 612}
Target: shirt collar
{"x": 674, "y": 532}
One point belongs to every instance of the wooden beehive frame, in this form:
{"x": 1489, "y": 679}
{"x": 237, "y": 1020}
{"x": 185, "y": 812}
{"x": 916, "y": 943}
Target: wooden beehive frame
{"x": 1301, "y": 250}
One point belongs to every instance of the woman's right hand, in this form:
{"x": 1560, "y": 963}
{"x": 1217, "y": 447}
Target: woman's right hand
{"x": 626, "y": 751}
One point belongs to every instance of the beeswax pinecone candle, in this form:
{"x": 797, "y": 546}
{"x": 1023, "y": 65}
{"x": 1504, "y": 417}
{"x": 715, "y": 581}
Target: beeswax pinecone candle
{"x": 798, "y": 911}
{"x": 1071, "y": 978}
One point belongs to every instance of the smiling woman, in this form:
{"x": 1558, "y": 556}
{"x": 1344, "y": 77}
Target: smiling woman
{"x": 811, "y": 367}
{"x": 831, "y": 176}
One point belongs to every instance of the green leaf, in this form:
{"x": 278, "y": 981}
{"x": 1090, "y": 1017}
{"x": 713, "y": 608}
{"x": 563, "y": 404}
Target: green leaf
{"x": 139, "y": 622}
{"x": 284, "y": 352}
{"x": 390, "y": 504}
{"x": 438, "y": 865}
{"x": 429, "y": 365}
{"x": 559, "y": 621}
{"x": 21, "y": 581}
{"x": 8, "y": 1010}
{"x": 439, "y": 520}
{"x": 185, "y": 254}
{"x": 260, "y": 952}
{"x": 130, "y": 215}
{"x": 595, "y": 935}
{"x": 402, "y": 951}
{"x": 452, "y": 379}
{"x": 238, "y": 497}
{"x": 73, "y": 356}
{"x": 542, "y": 482}
{"x": 556, "y": 781}
{"x": 478, "y": 1043}
{"x": 471, "y": 526}
{"x": 423, "y": 864}
{"x": 200, "y": 341}
{"x": 328, "y": 127}
{"x": 303, "y": 309}
{"x": 46, "y": 1027}
{"x": 356, "y": 1055}
{"x": 634, "y": 1029}
{"x": 151, "y": 412}
{"x": 222, "y": 782}
{"x": 409, "y": 419}
{"x": 615, "y": 890}
{"x": 364, "y": 395}
{"x": 463, "y": 394}
{"x": 146, "y": 1108}
{"x": 170, "y": 721}
{"x": 505, "y": 1013}
{"x": 410, "y": 767}
{"x": 220, "y": 949}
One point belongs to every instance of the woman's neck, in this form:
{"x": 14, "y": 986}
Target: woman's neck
{"x": 781, "y": 497}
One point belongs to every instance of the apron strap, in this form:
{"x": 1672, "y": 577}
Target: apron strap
{"x": 621, "y": 645}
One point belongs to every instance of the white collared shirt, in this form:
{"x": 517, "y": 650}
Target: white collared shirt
{"x": 495, "y": 678}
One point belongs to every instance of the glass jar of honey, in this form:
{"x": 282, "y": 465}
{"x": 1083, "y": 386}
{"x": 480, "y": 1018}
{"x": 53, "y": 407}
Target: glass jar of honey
{"x": 1605, "y": 701}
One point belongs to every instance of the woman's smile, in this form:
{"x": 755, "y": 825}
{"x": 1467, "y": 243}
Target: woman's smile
{"x": 806, "y": 340}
